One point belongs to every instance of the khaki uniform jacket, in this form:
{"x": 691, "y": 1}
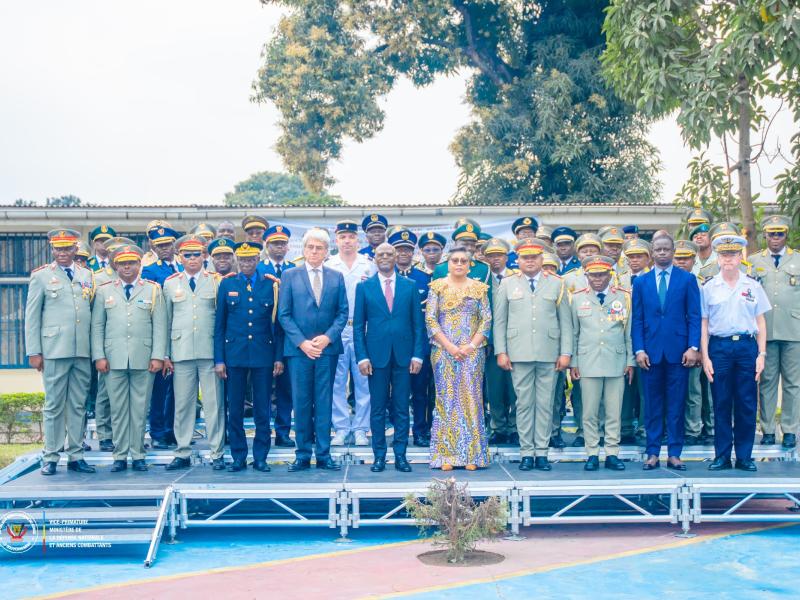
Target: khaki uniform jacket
{"x": 58, "y": 312}
{"x": 190, "y": 315}
{"x": 602, "y": 333}
{"x": 532, "y": 326}
{"x": 782, "y": 285}
{"x": 129, "y": 333}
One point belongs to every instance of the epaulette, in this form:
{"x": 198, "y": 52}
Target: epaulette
{"x": 580, "y": 291}
{"x": 107, "y": 282}
{"x": 298, "y": 261}
{"x": 173, "y": 275}
{"x": 546, "y": 274}
{"x": 155, "y": 283}
{"x": 38, "y": 269}
{"x": 231, "y": 274}
{"x": 274, "y": 279}
{"x": 705, "y": 279}
{"x": 620, "y": 289}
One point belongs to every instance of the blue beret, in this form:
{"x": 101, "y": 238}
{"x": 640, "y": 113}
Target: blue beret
{"x": 374, "y": 220}
{"x": 404, "y": 237}
{"x": 431, "y": 237}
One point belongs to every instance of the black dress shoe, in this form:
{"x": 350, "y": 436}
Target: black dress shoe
{"x": 746, "y": 465}
{"x": 513, "y": 439}
{"x": 179, "y": 463}
{"x": 379, "y": 465}
{"x": 299, "y": 465}
{"x": 422, "y": 442}
{"x": 80, "y": 466}
{"x": 160, "y": 445}
{"x": 691, "y": 440}
{"x": 86, "y": 447}
{"x": 401, "y": 464}
{"x": 283, "y": 441}
{"x": 106, "y": 446}
{"x": 139, "y": 465}
{"x": 49, "y": 468}
{"x": 578, "y": 442}
{"x": 720, "y": 463}
{"x": 541, "y": 463}
{"x": 119, "y": 465}
{"x": 557, "y": 441}
{"x": 592, "y": 464}
{"x": 614, "y": 463}
{"x": 676, "y": 466}
{"x": 261, "y": 465}
{"x": 329, "y": 464}
{"x": 237, "y": 465}
{"x": 789, "y": 440}
{"x": 218, "y": 464}
{"x": 526, "y": 464}
{"x": 768, "y": 439}
{"x": 650, "y": 464}
{"x": 628, "y": 440}
{"x": 497, "y": 438}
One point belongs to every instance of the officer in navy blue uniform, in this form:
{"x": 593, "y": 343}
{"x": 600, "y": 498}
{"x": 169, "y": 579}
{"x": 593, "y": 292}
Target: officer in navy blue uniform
{"x": 277, "y": 241}
{"x": 564, "y": 242}
{"x": 248, "y": 341}
{"x": 162, "y": 402}
{"x": 374, "y": 226}
{"x": 524, "y": 227}
{"x": 631, "y": 232}
{"x": 404, "y": 242}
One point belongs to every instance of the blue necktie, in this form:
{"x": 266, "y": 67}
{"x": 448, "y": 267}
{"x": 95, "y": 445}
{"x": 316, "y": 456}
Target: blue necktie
{"x": 128, "y": 288}
{"x": 533, "y": 285}
{"x": 777, "y": 259}
{"x": 278, "y": 270}
{"x": 192, "y": 284}
{"x": 601, "y": 296}
{"x": 68, "y": 271}
{"x": 662, "y": 288}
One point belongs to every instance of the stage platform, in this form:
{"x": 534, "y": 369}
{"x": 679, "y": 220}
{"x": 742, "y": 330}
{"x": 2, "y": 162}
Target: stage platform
{"x": 137, "y": 508}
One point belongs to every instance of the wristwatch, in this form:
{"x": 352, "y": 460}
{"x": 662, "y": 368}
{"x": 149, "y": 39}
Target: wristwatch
{"x": 695, "y": 348}
{"x": 473, "y": 346}
{"x": 764, "y": 354}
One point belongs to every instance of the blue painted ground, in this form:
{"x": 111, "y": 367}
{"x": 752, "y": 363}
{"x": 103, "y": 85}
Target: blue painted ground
{"x": 755, "y": 566}
{"x": 196, "y": 551}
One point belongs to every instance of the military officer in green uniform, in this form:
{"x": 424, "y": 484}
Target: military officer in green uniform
{"x": 190, "y": 299}
{"x": 57, "y": 325}
{"x": 532, "y": 336}
{"x": 82, "y": 254}
{"x": 499, "y": 387}
{"x": 221, "y": 252}
{"x": 602, "y": 357}
{"x": 466, "y": 236}
{"x": 129, "y": 332}
{"x": 697, "y": 216}
{"x": 699, "y": 234}
{"x": 777, "y": 268}
{"x": 97, "y": 238}
{"x": 613, "y": 238}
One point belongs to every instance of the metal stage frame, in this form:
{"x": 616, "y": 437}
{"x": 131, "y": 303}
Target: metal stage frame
{"x": 139, "y": 508}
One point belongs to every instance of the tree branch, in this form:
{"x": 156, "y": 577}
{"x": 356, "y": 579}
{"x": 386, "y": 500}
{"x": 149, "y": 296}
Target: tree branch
{"x": 491, "y": 66}
{"x": 766, "y": 133}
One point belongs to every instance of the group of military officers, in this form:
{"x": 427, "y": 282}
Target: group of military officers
{"x": 195, "y": 317}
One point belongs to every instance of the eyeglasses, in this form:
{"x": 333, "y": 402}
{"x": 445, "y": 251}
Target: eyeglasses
{"x": 191, "y": 254}
{"x": 459, "y": 261}
{"x": 776, "y": 234}
{"x": 431, "y": 250}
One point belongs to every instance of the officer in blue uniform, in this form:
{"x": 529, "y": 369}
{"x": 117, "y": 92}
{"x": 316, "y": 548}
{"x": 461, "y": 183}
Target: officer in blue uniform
{"x": 524, "y": 227}
{"x": 162, "y": 402}
{"x": 97, "y": 239}
{"x": 404, "y": 242}
{"x": 374, "y": 227}
{"x": 734, "y": 344}
{"x": 431, "y": 245}
{"x": 277, "y": 240}
{"x": 631, "y": 232}
{"x": 248, "y": 341}
{"x": 564, "y": 242}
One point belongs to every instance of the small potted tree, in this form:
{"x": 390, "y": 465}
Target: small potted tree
{"x": 459, "y": 523}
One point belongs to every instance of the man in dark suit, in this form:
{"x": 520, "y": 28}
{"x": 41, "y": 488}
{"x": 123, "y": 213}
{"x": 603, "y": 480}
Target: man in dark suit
{"x": 666, "y": 340}
{"x": 388, "y": 335}
{"x": 247, "y": 341}
{"x": 313, "y": 311}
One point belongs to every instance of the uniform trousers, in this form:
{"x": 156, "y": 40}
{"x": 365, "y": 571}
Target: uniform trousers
{"x": 602, "y": 395}
{"x": 533, "y": 384}
{"x": 347, "y": 365}
{"x": 129, "y": 392}
{"x": 65, "y": 383}
{"x": 782, "y": 362}
{"x": 188, "y": 377}
{"x": 261, "y": 382}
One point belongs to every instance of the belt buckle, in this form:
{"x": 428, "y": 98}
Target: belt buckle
{"x": 735, "y": 338}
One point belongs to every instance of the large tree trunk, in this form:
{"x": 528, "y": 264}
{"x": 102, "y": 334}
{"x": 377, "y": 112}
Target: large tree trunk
{"x": 745, "y": 181}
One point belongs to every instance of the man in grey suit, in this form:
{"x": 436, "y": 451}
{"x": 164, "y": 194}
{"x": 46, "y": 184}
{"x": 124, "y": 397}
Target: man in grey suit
{"x": 532, "y": 339}
{"x": 313, "y": 310}
{"x": 57, "y": 321}
{"x": 129, "y": 331}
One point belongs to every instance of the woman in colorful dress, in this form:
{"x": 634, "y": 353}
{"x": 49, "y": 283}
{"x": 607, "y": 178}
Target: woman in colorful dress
{"x": 458, "y": 318}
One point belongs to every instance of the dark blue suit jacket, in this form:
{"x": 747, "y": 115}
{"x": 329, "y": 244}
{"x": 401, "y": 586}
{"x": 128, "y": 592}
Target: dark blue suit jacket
{"x": 378, "y": 333}
{"x": 244, "y": 334}
{"x": 301, "y": 318}
{"x": 667, "y": 334}
{"x": 266, "y": 267}
{"x": 159, "y": 271}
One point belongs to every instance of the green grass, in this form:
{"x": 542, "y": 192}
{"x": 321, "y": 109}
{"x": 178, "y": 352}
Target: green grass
{"x": 8, "y": 452}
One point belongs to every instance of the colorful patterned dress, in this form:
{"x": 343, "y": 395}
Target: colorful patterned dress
{"x": 458, "y": 435}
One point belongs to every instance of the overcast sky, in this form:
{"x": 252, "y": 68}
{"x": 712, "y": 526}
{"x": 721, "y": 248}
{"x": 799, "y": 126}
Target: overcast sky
{"x": 148, "y": 103}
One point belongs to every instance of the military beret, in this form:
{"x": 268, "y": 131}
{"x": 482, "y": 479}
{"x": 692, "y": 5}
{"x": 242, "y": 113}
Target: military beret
{"x": 685, "y": 249}
{"x": 374, "y": 220}
{"x": 63, "y": 238}
{"x": 251, "y": 221}
{"x": 432, "y": 237}
{"x": 221, "y": 246}
{"x": 277, "y": 233}
{"x": 403, "y": 237}
{"x": 564, "y": 234}
{"x": 523, "y": 222}
{"x": 102, "y": 232}
{"x": 496, "y": 246}
{"x": 700, "y": 228}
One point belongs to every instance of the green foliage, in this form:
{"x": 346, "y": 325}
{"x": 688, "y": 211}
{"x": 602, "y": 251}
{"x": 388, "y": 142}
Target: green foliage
{"x": 21, "y": 417}
{"x": 789, "y": 193}
{"x": 545, "y": 125}
{"x": 69, "y": 201}
{"x": 269, "y": 188}
{"x": 708, "y": 187}
{"x": 460, "y": 522}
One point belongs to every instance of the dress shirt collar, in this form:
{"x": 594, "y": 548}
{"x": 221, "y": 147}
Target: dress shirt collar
{"x": 383, "y": 278}
{"x": 310, "y": 269}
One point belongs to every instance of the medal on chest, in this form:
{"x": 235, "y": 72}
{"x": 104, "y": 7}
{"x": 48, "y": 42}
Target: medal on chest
{"x": 616, "y": 311}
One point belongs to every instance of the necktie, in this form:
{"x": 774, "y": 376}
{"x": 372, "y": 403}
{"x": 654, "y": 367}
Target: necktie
{"x": 387, "y": 291}
{"x": 278, "y": 270}
{"x": 500, "y": 277}
{"x": 662, "y": 288}
{"x": 103, "y": 264}
{"x": 533, "y": 285}
{"x": 171, "y": 267}
{"x": 777, "y": 259}
{"x": 316, "y": 286}
{"x": 192, "y": 284}
{"x": 68, "y": 271}
{"x": 128, "y": 288}
{"x": 601, "y": 296}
